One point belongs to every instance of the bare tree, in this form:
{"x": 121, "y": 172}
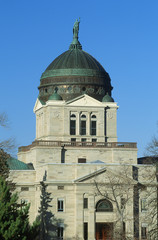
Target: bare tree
{"x": 4, "y": 120}
{"x": 7, "y": 145}
{"x": 152, "y": 211}
{"x": 152, "y": 193}
{"x": 152, "y": 147}
{"x": 118, "y": 188}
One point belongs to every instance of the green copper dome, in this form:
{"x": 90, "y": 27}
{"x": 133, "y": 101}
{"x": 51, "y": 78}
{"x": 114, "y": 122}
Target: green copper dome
{"x": 107, "y": 98}
{"x": 55, "y": 96}
{"x": 74, "y": 73}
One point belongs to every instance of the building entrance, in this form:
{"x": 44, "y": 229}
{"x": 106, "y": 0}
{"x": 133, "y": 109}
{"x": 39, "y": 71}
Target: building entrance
{"x": 104, "y": 231}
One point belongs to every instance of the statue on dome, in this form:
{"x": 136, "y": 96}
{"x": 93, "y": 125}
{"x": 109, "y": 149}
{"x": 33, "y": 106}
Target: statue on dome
{"x": 76, "y": 28}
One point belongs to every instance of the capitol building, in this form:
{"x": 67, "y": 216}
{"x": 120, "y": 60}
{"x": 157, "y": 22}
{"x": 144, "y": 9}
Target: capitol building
{"x": 97, "y": 188}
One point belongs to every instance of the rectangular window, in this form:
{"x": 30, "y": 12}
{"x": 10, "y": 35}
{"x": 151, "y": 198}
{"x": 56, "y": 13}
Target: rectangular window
{"x": 144, "y": 233}
{"x": 24, "y": 188}
{"x": 72, "y": 127}
{"x": 81, "y": 160}
{"x": 73, "y": 139}
{"x": 85, "y": 203}
{"x": 83, "y": 127}
{"x": 83, "y": 139}
{"x": 94, "y": 139}
{"x": 85, "y": 231}
{"x": 60, "y": 233}
{"x": 143, "y": 205}
{"x": 60, "y": 187}
{"x": 60, "y": 205}
{"x": 93, "y": 128}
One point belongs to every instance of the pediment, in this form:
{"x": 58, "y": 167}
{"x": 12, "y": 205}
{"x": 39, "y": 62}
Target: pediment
{"x": 38, "y": 105}
{"x": 84, "y": 100}
{"x": 107, "y": 175}
{"x": 91, "y": 176}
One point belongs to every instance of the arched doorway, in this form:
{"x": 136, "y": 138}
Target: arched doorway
{"x": 104, "y": 231}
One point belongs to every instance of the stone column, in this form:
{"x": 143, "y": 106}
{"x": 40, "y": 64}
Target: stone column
{"x": 91, "y": 218}
{"x": 79, "y": 215}
{"x": 130, "y": 218}
{"x": 88, "y": 124}
{"x": 78, "y": 123}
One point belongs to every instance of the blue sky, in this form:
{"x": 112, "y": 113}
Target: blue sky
{"x": 121, "y": 34}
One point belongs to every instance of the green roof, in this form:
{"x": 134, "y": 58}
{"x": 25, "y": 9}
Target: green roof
{"x": 107, "y": 98}
{"x": 55, "y": 96}
{"x": 15, "y": 164}
{"x": 75, "y": 62}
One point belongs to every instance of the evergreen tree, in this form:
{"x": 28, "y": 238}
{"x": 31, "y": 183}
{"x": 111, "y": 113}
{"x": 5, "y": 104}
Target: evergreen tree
{"x": 45, "y": 216}
{"x": 14, "y": 217}
{"x": 4, "y": 170}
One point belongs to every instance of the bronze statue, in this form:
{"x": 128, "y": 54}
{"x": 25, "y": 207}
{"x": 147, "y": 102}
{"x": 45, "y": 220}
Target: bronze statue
{"x": 75, "y": 43}
{"x": 76, "y": 28}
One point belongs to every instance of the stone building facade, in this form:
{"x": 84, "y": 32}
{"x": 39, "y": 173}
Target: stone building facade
{"x": 98, "y": 190}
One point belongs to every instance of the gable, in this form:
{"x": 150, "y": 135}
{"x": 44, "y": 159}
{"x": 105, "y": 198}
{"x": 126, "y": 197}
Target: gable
{"x": 107, "y": 175}
{"x": 91, "y": 176}
{"x": 38, "y": 105}
{"x": 84, "y": 100}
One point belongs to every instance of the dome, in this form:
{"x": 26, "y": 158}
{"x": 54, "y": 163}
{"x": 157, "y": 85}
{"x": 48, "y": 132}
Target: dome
{"x": 55, "y": 96}
{"x": 75, "y": 72}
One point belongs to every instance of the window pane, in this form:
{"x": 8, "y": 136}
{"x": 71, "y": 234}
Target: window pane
{"x": 73, "y": 116}
{"x": 93, "y": 127}
{"x": 73, "y": 139}
{"x": 85, "y": 203}
{"x": 81, "y": 160}
{"x": 86, "y": 231}
{"x": 60, "y": 205}
{"x": 104, "y": 206}
{"x": 72, "y": 127}
{"x": 60, "y": 233}
{"x": 94, "y": 139}
{"x": 83, "y": 127}
{"x": 83, "y": 139}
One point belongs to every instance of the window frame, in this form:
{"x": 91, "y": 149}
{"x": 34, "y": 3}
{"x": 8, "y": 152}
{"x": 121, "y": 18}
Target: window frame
{"x": 83, "y": 125}
{"x": 60, "y": 205}
{"x": 85, "y": 230}
{"x": 72, "y": 124}
{"x": 85, "y": 203}
{"x": 99, "y": 209}
{"x": 60, "y": 233}
{"x": 93, "y": 125}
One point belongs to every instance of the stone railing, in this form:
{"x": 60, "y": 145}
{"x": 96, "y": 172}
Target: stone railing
{"x": 45, "y": 143}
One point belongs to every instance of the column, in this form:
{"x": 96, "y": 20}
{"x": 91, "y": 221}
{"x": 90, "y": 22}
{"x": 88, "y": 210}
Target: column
{"x": 91, "y": 218}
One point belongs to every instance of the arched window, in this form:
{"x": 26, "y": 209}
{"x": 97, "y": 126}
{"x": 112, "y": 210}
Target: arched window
{"x": 104, "y": 205}
{"x": 73, "y": 124}
{"x": 93, "y": 125}
{"x": 83, "y": 125}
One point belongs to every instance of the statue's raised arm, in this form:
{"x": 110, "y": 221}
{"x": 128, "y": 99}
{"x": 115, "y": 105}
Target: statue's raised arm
{"x": 76, "y": 28}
